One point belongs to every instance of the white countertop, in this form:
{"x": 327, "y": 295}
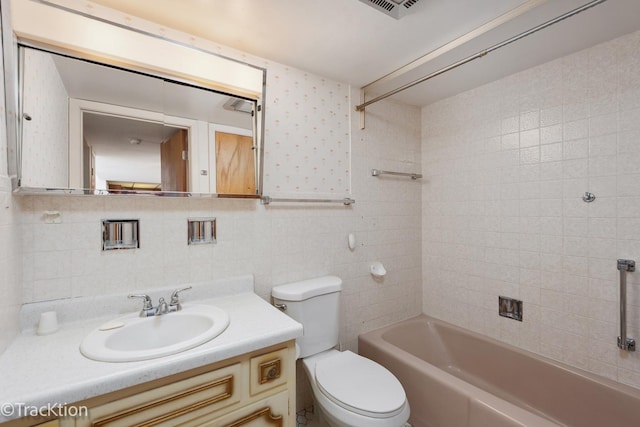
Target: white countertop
{"x": 39, "y": 370}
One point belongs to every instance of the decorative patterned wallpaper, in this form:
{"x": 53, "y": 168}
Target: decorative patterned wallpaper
{"x": 46, "y": 101}
{"x": 307, "y": 142}
{"x": 307, "y": 149}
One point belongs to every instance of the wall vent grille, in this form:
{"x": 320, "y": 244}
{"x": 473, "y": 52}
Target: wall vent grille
{"x": 409, "y": 3}
{"x": 384, "y": 4}
{"x": 391, "y": 7}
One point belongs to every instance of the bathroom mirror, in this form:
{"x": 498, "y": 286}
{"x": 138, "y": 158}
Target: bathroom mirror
{"x": 92, "y": 128}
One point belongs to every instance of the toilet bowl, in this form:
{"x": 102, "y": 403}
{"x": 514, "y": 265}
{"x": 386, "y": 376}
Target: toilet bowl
{"x": 349, "y": 390}
{"x": 352, "y": 391}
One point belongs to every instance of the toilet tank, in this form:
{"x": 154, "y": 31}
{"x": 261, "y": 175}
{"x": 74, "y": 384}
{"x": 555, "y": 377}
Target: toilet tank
{"x": 315, "y": 303}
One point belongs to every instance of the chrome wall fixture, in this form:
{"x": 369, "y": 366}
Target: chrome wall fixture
{"x": 120, "y": 234}
{"x": 588, "y": 197}
{"x": 510, "y": 307}
{"x": 201, "y": 231}
{"x": 268, "y": 200}
{"x": 624, "y": 266}
{"x": 378, "y": 172}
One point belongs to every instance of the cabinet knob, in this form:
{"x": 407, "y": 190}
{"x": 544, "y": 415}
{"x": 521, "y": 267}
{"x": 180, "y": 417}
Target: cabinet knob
{"x": 269, "y": 371}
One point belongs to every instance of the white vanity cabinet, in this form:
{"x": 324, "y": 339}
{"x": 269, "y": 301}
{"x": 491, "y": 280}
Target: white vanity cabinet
{"x": 255, "y": 389}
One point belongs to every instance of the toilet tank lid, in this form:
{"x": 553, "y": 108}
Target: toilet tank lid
{"x": 305, "y": 289}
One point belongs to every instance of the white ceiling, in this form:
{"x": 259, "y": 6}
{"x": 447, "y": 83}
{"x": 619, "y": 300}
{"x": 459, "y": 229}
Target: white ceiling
{"x": 350, "y": 41}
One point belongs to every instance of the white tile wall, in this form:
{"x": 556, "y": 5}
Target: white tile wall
{"x": 506, "y": 166}
{"x": 10, "y": 245}
{"x": 10, "y": 265}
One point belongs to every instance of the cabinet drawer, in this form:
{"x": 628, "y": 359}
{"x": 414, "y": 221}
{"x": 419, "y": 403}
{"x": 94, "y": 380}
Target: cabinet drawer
{"x": 272, "y": 411}
{"x": 269, "y": 370}
{"x": 170, "y": 404}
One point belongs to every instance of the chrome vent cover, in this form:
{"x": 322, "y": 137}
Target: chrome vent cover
{"x": 394, "y": 8}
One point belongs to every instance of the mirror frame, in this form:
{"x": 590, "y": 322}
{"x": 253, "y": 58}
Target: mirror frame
{"x": 11, "y": 40}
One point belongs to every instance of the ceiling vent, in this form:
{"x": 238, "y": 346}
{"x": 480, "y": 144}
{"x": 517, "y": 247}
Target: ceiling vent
{"x": 394, "y": 8}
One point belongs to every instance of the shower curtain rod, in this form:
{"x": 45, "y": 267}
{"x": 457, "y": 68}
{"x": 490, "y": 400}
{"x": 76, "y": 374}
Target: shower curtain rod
{"x": 449, "y": 46}
{"x": 480, "y": 54}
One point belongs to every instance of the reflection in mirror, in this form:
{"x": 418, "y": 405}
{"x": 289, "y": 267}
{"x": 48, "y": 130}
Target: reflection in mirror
{"x": 102, "y": 129}
{"x": 129, "y": 154}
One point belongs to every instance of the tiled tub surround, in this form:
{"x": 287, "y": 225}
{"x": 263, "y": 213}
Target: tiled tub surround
{"x": 454, "y": 377}
{"x": 37, "y": 370}
{"x": 506, "y": 166}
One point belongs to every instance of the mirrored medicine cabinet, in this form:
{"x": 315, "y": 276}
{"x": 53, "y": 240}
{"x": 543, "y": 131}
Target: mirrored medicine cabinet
{"x": 92, "y": 128}
{"x": 97, "y": 107}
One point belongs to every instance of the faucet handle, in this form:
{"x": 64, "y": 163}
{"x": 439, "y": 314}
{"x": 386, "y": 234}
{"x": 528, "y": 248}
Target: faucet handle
{"x": 148, "y": 304}
{"x": 147, "y": 308}
{"x": 175, "y": 300}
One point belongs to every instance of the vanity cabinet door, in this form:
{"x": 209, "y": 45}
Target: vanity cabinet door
{"x": 270, "y": 412}
{"x": 269, "y": 370}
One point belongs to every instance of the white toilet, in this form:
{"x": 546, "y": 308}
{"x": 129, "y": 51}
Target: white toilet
{"x": 349, "y": 389}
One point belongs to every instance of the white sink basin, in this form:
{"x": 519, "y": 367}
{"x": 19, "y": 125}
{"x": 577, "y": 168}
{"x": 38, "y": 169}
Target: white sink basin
{"x": 132, "y": 338}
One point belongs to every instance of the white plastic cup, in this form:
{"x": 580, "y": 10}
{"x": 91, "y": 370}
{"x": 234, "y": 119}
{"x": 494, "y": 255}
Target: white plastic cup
{"x": 48, "y": 323}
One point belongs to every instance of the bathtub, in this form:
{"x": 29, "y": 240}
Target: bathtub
{"x": 456, "y": 378}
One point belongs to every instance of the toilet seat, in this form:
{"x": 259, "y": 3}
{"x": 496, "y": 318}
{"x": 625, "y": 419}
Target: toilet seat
{"x": 360, "y": 385}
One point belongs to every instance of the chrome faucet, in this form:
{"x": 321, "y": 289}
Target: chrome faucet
{"x": 148, "y": 310}
{"x": 162, "y": 307}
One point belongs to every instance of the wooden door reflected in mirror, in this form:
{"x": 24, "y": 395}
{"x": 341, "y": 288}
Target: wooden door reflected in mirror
{"x": 173, "y": 160}
{"x": 235, "y": 166}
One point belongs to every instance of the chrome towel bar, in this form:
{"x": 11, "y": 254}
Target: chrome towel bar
{"x": 346, "y": 201}
{"x": 378, "y": 172}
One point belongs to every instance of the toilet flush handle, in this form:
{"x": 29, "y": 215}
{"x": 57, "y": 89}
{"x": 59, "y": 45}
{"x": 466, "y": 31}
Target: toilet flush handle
{"x": 282, "y": 307}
